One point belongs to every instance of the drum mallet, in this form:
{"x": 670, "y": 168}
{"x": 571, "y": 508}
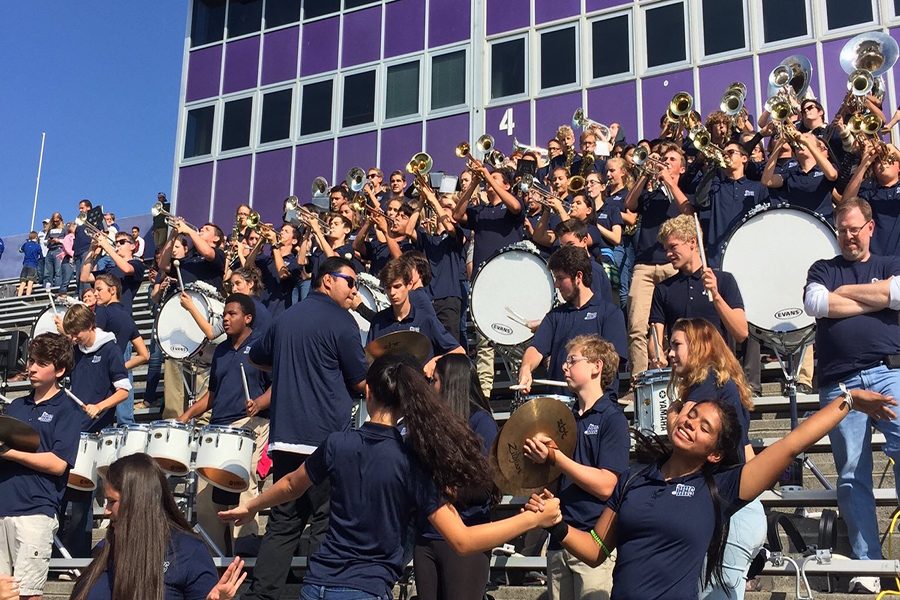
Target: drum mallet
{"x": 5, "y": 400}
{"x": 657, "y": 347}
{"x": 244, "y": 382}
{"x": 73, "y": 397}
{"x": 52, "y": 303}
{"x": 708, "y": 293}
{"x": 548, "y": 382}
{"x": 177, "y": 264}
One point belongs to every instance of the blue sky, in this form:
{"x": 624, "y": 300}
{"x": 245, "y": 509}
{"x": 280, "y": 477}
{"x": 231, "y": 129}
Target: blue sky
{"x": 102, "y": 79}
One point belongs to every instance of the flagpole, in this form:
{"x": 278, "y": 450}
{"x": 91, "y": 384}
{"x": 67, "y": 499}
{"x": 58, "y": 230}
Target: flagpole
{"x": 37, "y": 185}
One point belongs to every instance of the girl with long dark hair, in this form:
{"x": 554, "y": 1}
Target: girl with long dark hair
{"x": 378, "y": 479}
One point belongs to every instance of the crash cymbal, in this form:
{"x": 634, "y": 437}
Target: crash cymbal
{"x": 539, "y": 415}
{"x": 18, "y": 435}
{"x": 500, "y": 480}
{"x": 400, "y": 342}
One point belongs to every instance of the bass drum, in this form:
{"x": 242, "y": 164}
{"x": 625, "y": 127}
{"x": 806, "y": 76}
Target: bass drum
{"x": 45, "y": 322}
{"x": 772, "y": 274}
{"x": 177, "y": 333}
{"x": 369, "y": 290}
{"x": 512, "y": 287}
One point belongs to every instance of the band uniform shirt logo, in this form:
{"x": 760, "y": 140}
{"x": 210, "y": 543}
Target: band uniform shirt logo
{"x": 589, "y": 316}
{"x": 750, "y": 193}
{"x": 246, "y": 349}
{"x": 45, "y": 417}
{"x": 165, "y": 566}
{"x": 95, "y": 360}
{"x": 414, "y": 328}
{"x": 592, "y": 429}
{"x": 684, "y": 491}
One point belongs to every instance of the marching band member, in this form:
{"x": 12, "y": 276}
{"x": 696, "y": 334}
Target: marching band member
{"x": 279, "y": 269}
{"x": 206, "y": 261}
{"x": 811, "y": 183}
{"x": 390, "y": 239}
{"x": 575, "y": 233}
{"x": 124, "y": 266}
{"x": 247, "y": 280}
{"x": 881, "y": 192}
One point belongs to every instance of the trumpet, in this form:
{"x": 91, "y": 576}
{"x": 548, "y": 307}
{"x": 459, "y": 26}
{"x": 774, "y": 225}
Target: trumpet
{"x": 781, "y": 112}
{"x": 253, "y": 222}
{"x": 526, "y": 149}
{"x": 292, "y": 204}
{"x": 171, "y": 220}
{"x": 82, "y": 221}
{"x": 579, "y": 119}
{"x": 527, "y": 183}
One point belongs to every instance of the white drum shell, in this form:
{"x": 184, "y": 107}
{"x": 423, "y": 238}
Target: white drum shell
{"x": 134, "y": 440}
{"x": 169, "y": 444}
{"x": 46, "y": 321}
{"x": 651, "y": 402}
{"x": 83, "y": 476}
{"x": 108, "y": 450}
{"x": 224, "y": 457}
{"x": 179, "y": 336}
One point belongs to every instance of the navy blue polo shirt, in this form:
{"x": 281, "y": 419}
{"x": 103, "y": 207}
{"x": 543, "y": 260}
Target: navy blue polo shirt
{"x": 729, "y": 201}
{"x": 534, "y": 219}
{"x": 609, "y": 215}
{"x": 603, "y": 443}
{"x": 376, "y": 485}
{"x": 314, "y": 351}
{"x": 417, "y": 320}
{"x": 263, "y": 318}
{"x": 94, "y": 376}
{"x": 276, "y": 292}
{"x": 379, "y": 254}
{"x": 600, "y": 283}
{"x": 848, "y": 345}
{"x": 563, "y": 322}
{"x": 493, "y": 228}
{"x": 116, "y": 319}
{"x": 663, "y": 530}
{"x": 709, "y": 389}
{"x": 82, "y": 241}
{"x": 445, "y": 254}
{"x": 655, "y": 209}
{"x": 783, "y": 167}
{"x": 188, "y": 571}
{"x": 885, "y": 203}
{"x": 422, "y": 301}
{"x": 130, "y": 282}
{"x": 58, "y": 423}
{"x": 196, "y": 268}
{"x": 682, "y": 296}
{"x": 226, "y": 385}
{"x": 809, "y": 189}
{"x": 344, "y": 251}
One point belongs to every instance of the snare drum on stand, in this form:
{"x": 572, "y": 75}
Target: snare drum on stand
{"x": 224, "y": 457}
{"x": 169, "y": 444}
{"x": 651, "y": 401}
{"x": 109, "y": 441}
{"x": 83, "y": 476}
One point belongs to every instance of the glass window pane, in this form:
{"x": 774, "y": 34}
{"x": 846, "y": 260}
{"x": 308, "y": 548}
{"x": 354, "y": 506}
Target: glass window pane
{"x": 897, "y": 8}
{"x": 359, "y": 99}
{"x": 844, "y": 13}
{"x": 199, "y": 131}
{"x": 317, "y": 8}
{"x": 316, "y": 115}
{"x": 276, "y": 116}
{"x": 723, "y": 25}
{"x": 665, "y": 35}
{"x": 244, "y": 16}
{"x": 207, "y": 22}
{"x": 558, "y": 57}
{"x": 236, "y": 124}
{"x": 611, "y": 51}
{"x": 448, "y": 79}
{"x": 783, "y": 19}
{"x": 508, "y": 68}
{"x": 402, "y": 90}
{"x": 282, "y": 12}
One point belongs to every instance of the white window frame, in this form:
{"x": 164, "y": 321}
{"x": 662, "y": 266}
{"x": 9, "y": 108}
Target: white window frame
{"x": 264, "y": 28}
{"x": 293, "y": 119}
{"x": 251, "y": 144}
{"x": 828, "y": 31}
{"x": 394, "y": 62}
{"x": 190, "y": 27}
{"x": 737, "y": 52}
{"x": 335, "y": 80}
{"x": 524, "y": 95}
{"x": 262, "y": 17}
{"x": 539, "y": 58}
{"x": 763, "y": 46}
{"x": 648, "y": 71}
{"x": 455, "y": 108}
{"x": 214, "y": 144}
{"x": 377, "y": 107}
{"x": 304, "y": 19}
{"x": 589, "y": 63}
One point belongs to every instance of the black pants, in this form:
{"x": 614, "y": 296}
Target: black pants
{"x": 751, "y": 363}
{"x": 442, "y": 574}
{"x": 285, "y": 528}
{"x": 448, "y": 312}
{"x": 75, "y": 530}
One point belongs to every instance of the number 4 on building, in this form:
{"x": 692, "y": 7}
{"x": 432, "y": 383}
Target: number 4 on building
{"x": 507, "y": 123}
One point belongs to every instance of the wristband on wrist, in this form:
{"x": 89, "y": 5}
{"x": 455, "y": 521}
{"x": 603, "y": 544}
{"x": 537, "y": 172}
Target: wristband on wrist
{"x": 558, "y": 532}
{"x": 848, "y": 398}
{"x": 600, "y": 543}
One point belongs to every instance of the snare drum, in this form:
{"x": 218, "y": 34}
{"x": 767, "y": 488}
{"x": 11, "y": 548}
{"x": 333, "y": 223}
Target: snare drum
{"x": 224, "y": 457}
{"x": 83, "y": 476}
{"x": 369, "y": 290}
{"x": 177, "y": 333}
{"x": 170, "y": 445}
{"x": 651, "y": 401}
{"x": 512, "y": 287}
{"x": 110, "y": 439}
{"x": 134, "y": 440}
{"x": 772, "y": 279}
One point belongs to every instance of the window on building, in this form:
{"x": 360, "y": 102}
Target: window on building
{"x": 611, "y": 47}
{"x": 846, "y": 13}
{"x": 236, "y": 124}
{"x": 402, "y": 96}
{"x": 723, "y": 26}
{"x": 198, "y": 133}
{"x": 897, "y": 8}
{"x": 207, "y": 22}
{"x": 665, "y": 35}
{"x": 316, "y": 111}
{"x": 508, "y": 68}
{"x": 558, "y": 60}
{"x": 783, "y": 19}
{"x": 276, "y": 116}
{"x": 320, "y": 8}
{"x": 358, "y": 3}
{"x": 359, "y": 99}
{"x": 448, "y": 80}
{"x": 244, "y": 16}
{"x": 282, "y": 12}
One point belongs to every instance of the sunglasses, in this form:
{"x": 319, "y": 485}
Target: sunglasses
{"x": 351, "y": 282}
{"x": 122, "y": 242}
{"x": 372, "y": 175}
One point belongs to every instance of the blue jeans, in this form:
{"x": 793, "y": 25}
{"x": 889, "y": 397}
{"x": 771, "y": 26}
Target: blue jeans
{"x": 745, "y": 538}
{"x": 52, "y": 269}
{"x": 311, "y": 591}
{"x": 66, "y": 272}
{"x": 154, "y": 372}
{"x": 125, "y": 410}
{"x": 851, "y": 444}
{"x": 79, "y": 260}
{"x": 623, "y": 257}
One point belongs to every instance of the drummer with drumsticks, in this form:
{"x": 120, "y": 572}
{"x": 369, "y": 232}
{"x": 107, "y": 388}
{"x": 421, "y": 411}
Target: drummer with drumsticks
{"x": 32, "y": 483}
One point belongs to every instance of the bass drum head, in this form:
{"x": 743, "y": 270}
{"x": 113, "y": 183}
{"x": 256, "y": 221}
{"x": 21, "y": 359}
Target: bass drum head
{"x": 769, "y": 254}
{"x": 368, "y": 288}
{"x": 513, "y": 281}
{"x": 178, "y": 334}
{"x": 45, "y": 322}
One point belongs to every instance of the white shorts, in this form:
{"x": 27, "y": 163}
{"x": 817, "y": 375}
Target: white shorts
{"x": 25, "y": 545}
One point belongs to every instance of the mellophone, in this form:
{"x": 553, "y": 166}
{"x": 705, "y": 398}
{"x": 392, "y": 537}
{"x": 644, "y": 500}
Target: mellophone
{"x": 221, "y": 455}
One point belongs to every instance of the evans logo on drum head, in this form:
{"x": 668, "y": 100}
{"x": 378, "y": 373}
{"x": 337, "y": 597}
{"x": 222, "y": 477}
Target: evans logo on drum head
{"x": 788, "y": 313}
{"x": 500, "y": 328}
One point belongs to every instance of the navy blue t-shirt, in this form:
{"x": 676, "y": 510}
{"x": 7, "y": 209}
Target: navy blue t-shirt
{"x": 82, "y": 242}
{"x": 276, "y": 293}
{"x": 32, "y": 251}
{"x": 379, "y": 253}
{"x": 729, "y": 201}
{"x": 345, "y": 251}
{"x": 848, "y": 345}
{"x": 709, "y": 389}
{"x": 196, "y": 268}
{"x": 226, "y": 385}
{"x": 494, "y": 227}
{"x": 609, "y": 215}
{"x": 663, "y": 530}
{"x": 263, "y": 318}
{"x": 445, "y": 255}
{"x": 885, "y": 203}
{"x": 417, "y": 320}
{"x": 600, "y": 283}
{"x": 809, "y": 189}
{"x": 116, "y": 319}
{"x": 130, "y": 282}
{"x": 315, "y": 353}
{"x": 93, "y": 379}
{"x": 655, "y": 209}
{"x": 376, "y": 486}
{"x": 58, "y": 423}
{"x": 682, "y": 296}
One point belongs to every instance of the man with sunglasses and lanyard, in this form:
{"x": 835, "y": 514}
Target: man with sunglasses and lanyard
{"x": 314, "y": 353}
{"x": 128, "y": 269}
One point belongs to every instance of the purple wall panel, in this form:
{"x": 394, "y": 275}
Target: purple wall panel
{"x": 769, "y": 61}
{"x": 521, "y": 116}
{"x": 362, "y": 28}
{"x": 232, "y": 188}
{"x": 203, "y": 73}
{"x": 442, "y": 136}
{"x": 550, "y": 113}
{"x": 280, "y": 55}
{"x": 592, "y": 5}
{"x": 835, "y": 78}
{"x": 311, "y": 161}
{"x": 404, "y": 27}
{"x": 194, "y": 192}
{"x": 558, "y": 9}
{"x": 241, "y": 65}
{"x": 714, "y": 79}
{"x": 356, "y": 151}
{"x": 657, "y": 91}
{"x": 615, "y": 104}
{"x": 398, "y": 144}
{"x": 320, "y": 47}
{"x": 891, "y": 102}
{"x": 505, "y": 15}
{"x": 448, "y": 22}
{"x": 271, "y": 182}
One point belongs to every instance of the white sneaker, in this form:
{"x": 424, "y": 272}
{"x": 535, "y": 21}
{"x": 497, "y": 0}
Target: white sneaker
{"x": 865, "y": 585}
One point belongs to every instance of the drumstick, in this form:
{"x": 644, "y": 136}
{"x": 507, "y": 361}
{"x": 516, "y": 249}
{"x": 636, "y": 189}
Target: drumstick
{"x": 657, "y": 347}
{"x": 52, "y": 303}
{"x": 244, "y": 381}
{"x": 73, "y": 397}
{"x": 515, "y": 317}
{"x": 177, "y": 264}
{"x": 549, "y": 382}
{"x": 702, "y": 250}
{"x": 5, "y": 400}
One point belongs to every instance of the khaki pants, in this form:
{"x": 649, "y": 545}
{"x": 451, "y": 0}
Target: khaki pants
{"x": 805, "y": 376}
{"x": 175, "y": 397}
{"x": 640, "y": 297}
{"x": 207, "y": 510}
{"x": 484, "y": 364}
{"x": 570, "y": 579}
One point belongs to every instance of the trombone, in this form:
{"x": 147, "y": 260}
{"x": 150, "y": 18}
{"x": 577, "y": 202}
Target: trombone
{"x": 292, "y": 203}
{"x": 419, "y": 166}
{"x": 158, "y": 210}
{"x": 526, "y": 149}
{"x": 580, "y": 120}
{"x": 82, "y": 221}
{"x": 544, "y": 197}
